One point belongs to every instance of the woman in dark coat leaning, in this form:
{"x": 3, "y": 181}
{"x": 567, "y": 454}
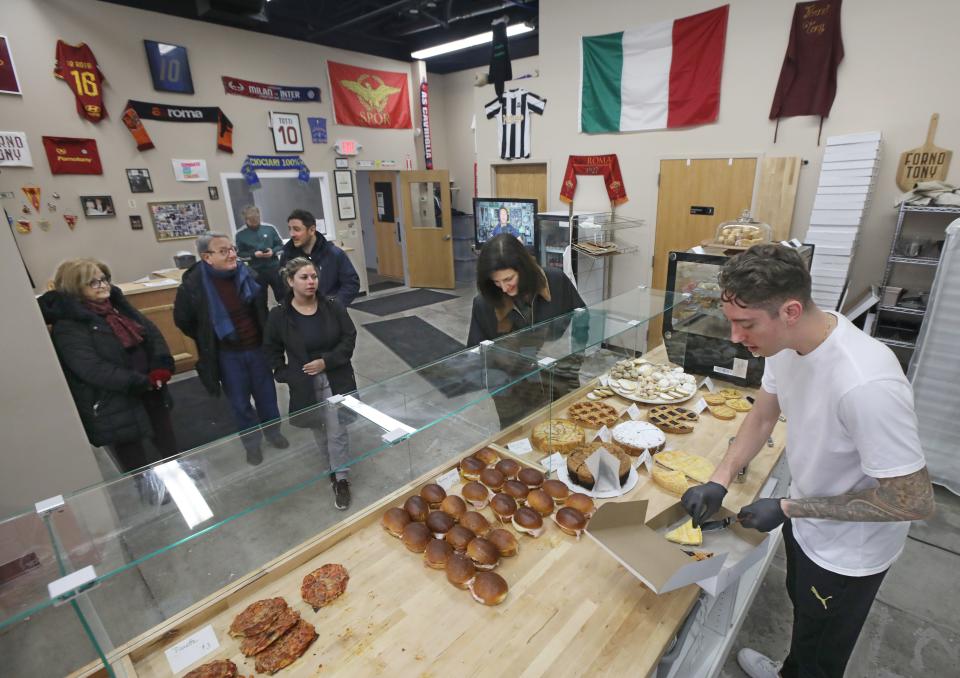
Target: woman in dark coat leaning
{"x": 309, "y": 342}
{"x": 116, "y": 362}
{"x": 515, "y": 293}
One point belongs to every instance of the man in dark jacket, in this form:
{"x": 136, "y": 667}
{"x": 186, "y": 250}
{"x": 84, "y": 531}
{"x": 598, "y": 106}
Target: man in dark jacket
{"x": 222, "y": 307}
{"x": 338, "y": 277}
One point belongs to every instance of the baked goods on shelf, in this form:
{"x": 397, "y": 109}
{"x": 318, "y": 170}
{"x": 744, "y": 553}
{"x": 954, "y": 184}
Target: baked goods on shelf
{"x": 673, "y": 419}
{"x": 739, "y": 404}
{"x": 693, "y": 466}
{"x": 540, "y": 501}
{"x": 509, "y": 468}
{"x": 698, "y": 555}
{"x": 458, "y": 537}
{"x": 476, "y": 523}
{"x": 579, "y": 472}
{"x": 221, "y": 668}
{"x": 730, "y": 393}
{"x": 714, "y": 399}
{"x": 492, "y": 478}
{"x": 504, "y": 506}
{"x": 517, "y": 490}
{"x": 260, "y": 642}
{"x": 488, "y": 588}
{"x": 439, "y": 523}
{"x": 600, "y": 393}
{"x": 557, "y": 435}
{"x": 582, "y": 503}
{"x": 436, "y": 554}
{"x": 257, "y": 617}
{"x": 570, "y": 521}
{"x": 475, "y": 493}
{"x": 487, "y": 455}
{"x": 557, "y": 490}
{"x": 393, "y": 521}
{"x": 722, "y": 412}
{"x": 483, "y": 553}
{"x": 460, "y": 570}
{"x": 637, "y": 437}
{"x": 433, "y": 494}
{"x": 639, "y": 379}
{"x": 686, "y": 534}
{"x": 593, "y": 414}
{"x": 287, "y": 648}
{"x": 470, "y": 468}
{"x": 327, "y": 583}
{"x": 531, "y": 477}
{"x": 454, "y": 506}
{"x": 416, "y": 536}
{"x": 528, "y": 521}
{"x": 671, "y": 481}
{"x": 506, "y": 543}
{"x": 417, "y": 507}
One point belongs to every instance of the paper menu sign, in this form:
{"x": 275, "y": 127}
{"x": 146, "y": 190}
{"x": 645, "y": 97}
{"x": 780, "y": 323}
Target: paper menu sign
{"x": 449, "y": 479}
{"x": 634, "y": 412}
{"x": 603, "y": 434}
{"x": 521, "y": 446}
{"x": 553, "y": 463}
{"x": 708, "y": 383}
{"x": 699, "y": 406}
{"x": 192, "y": 649}
{"x": 604, "y": 380}
{"x": 606, "y": 471}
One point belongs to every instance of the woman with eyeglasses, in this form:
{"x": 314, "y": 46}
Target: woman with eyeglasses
{"x": 309, "y": 341}
{"x": 116, "y": 362}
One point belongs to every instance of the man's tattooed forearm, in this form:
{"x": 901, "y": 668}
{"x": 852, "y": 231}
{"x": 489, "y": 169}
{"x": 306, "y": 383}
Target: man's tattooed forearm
{"x": 907, "y": 497}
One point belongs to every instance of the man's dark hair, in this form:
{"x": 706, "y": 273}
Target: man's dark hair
{"x": 764, "y": 277}
{"x": 304, "y": 216}
{"x": 506, "y": 251}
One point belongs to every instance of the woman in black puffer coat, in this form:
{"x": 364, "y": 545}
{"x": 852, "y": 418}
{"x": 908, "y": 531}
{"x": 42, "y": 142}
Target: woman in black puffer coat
{"x": 116, "y": 362}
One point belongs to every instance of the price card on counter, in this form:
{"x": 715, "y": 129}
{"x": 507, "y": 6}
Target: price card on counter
{"x": 709, "y": 385}
{"x": 604, "y": 381}
{"x": 449, "y": 479}
{"x": 646, "y": 460}
{"x": 604, "y": 434}
{"x": 521, "y": 446}
{"x": 553, "y": 463}
{"x": 634, "y": 412}
{"x": 699, "y": 406}
{"x": 192, "y": 649}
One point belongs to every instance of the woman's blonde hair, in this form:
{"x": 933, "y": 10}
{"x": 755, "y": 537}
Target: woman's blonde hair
{"x": 75, "y": 274}
{"x": 295, "y": 265}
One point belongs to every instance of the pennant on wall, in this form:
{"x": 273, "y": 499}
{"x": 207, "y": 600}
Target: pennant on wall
{"x": 33, "y": 195}
{"x": 135, "y": 110}
{"x": 366, "y": 97}
{"x": 661, "y": 76}
{"x": 606, "y": 166}
{"x": 261, "y": 90}
{"x": 67, "y": 155}
{"x": 14, "y": 150}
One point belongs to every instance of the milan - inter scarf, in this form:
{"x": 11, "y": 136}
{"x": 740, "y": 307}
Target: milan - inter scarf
{"x": 135, "y": 110}
{"x": 273, "y": 162}
{"x": 606, "y": 166}
{"x": 267, "y": 92}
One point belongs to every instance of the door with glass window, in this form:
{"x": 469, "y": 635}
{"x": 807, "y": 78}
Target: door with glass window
{"x": 427, "y": 226}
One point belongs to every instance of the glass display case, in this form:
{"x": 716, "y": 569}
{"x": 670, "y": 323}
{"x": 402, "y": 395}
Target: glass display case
{"x": 112, "y": 570}
{"x": 743, "y": 232}
{"x": 697, "y": 334}
{"x": 585, "y": 245}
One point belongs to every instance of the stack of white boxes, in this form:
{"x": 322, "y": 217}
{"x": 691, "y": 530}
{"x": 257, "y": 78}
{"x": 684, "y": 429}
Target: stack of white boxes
{"x": 847, "y": 177}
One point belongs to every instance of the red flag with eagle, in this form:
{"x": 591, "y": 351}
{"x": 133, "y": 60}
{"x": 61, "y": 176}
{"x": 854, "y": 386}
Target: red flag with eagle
{"x": 366, "y": 97}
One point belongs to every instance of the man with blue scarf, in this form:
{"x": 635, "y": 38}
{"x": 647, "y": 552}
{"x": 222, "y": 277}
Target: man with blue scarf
{"x": 222, "y": 307}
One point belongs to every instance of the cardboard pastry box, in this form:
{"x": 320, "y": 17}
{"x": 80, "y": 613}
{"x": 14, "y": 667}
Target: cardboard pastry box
{"x": 624, "y": 530}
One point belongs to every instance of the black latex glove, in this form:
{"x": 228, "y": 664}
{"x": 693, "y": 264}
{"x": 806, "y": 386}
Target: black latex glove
{"x": 763, "y": 514}
{"x": 703, "y": 501}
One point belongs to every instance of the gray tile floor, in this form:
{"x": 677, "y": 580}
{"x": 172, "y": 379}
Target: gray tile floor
{"x": 912, "y": 630}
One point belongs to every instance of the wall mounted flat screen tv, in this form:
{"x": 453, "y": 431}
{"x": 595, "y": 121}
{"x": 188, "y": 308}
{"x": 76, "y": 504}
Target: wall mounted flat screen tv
{"x": 517, "y": 216}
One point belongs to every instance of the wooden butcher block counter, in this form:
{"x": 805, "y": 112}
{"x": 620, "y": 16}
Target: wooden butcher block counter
{"x": 571, "y": 610}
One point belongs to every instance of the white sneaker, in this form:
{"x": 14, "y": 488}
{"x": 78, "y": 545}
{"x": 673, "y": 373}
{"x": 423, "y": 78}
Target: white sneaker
{"x": 757, "y": 665}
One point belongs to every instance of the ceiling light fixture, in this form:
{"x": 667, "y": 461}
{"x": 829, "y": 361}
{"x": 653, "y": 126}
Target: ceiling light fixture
{"x": 472, "y": 41}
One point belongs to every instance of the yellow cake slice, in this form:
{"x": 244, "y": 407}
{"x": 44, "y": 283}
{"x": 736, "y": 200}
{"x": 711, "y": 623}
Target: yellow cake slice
{"x": 686, "y": 534}
{"x": 671, "y": 481}
{"x": 698, "y": 468}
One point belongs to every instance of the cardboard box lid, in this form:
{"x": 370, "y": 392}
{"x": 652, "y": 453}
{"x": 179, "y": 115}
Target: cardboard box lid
{"x": 620, "y": 528}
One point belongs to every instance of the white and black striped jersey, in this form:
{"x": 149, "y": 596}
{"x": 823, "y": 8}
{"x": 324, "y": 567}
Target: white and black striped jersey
{"x": 513, "y": 111}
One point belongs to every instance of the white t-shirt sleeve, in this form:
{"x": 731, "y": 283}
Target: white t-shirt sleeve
{"x": 880, "y": 419}
{"x": 768, "y": 382}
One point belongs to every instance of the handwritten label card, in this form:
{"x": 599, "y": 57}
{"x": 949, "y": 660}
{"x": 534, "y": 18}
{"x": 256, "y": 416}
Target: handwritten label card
{"x": 553, "y": 463}
{"x": 449, "y": 479}
{"x": 191, "y": 649}
{"x": 634, "y": 412}
{"x": 521, "y": 446}
{"x": 604, "y": 434}
{"x": 708, "y": 382}
{"x": 699, "y": 406}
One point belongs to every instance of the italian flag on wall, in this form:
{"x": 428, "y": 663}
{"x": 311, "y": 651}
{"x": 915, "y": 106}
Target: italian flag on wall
{"x": 660, "y": 76}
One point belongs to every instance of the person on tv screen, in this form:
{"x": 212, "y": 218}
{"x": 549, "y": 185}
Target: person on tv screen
{"x": 504, "y": 225}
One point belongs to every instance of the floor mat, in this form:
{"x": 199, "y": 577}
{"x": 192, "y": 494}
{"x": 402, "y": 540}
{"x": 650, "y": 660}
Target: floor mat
{"x": 198, "y": 417}
{"x": 384, "y": 285}
{"x": 404, "y": 301}
{"x": 417, "y": 343}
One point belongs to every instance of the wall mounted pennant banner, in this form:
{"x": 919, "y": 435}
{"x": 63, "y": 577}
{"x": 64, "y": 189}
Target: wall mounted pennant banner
{"x": 33, "y": 195}
{"x": 606, "y": 166}
{"x": 14, "y": 150}
{"x": 273, "y": 162}
{"x": 135, "y": 111}
{"x": 261, "y": 90}
{"x": 67, "y": 155}
{"x": 425, "y": 114}
{"x": 365, "y": 97}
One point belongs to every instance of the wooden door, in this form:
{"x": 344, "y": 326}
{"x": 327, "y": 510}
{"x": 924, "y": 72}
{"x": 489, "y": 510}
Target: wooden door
{"x": 527, "y": 180}
{"x": 724, "y": 184}
{"x": 386, "y": 224}
{"x": 428, "y": 228}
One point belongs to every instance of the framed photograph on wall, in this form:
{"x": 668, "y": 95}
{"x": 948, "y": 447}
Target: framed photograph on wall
{"x": 345, "y": 207}
{"x": 343, "y": 180}
{"x": 178, "y": 219}
{"x": 97, "y": 206}
{"x": 136, "y": 222}
{"x": 213, "y": 192}
{"x": 139, "y": 180}
{"x": 286, "y": 132}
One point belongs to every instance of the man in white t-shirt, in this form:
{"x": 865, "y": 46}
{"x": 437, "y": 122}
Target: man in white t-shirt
{"x": 859, "y": 475}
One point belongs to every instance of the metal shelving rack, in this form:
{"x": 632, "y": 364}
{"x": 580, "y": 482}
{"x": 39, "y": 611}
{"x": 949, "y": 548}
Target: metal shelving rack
{"x": 893, "y": 259}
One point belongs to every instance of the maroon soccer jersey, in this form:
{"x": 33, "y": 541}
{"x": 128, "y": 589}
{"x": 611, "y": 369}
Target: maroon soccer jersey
{"x": 77, "y": 67}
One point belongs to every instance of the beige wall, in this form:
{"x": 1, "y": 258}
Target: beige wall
{"x": 892, "y": 78}
{"x": 116, "y": 36}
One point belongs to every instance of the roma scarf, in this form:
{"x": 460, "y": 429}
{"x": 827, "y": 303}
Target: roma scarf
{"x": 606, "y": 166}
{"x": 135, "y": 111}
{"x": 660, "y": 76}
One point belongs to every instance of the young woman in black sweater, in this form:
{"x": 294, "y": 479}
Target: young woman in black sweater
{"x": 309, "y": 342}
